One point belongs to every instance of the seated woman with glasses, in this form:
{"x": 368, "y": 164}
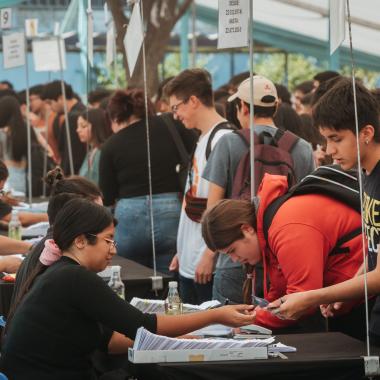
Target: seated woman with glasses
{"x": 70, "y": 311}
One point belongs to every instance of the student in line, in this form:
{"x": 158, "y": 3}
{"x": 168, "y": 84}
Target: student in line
{"x": 70, "y": 311}
{"x": 297, "y": 253}
{"x": 334, "y": 114}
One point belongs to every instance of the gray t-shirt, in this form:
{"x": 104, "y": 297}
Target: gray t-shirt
{"x": 225, "y": 157}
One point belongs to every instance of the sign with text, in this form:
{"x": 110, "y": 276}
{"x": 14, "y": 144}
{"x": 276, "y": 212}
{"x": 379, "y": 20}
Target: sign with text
{"x": 233, "y": 23}
{"x": 14, "y": 50}
{"x": 46, "y": 54}
{"x": 6, "y": 18}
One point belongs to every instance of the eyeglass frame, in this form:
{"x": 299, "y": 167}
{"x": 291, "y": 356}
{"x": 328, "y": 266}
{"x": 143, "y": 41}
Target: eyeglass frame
{"x": 175, "y": 107}
{"x": 107, "y": 240}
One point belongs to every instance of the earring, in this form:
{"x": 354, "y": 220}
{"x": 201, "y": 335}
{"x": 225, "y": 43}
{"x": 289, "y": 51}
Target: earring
{"x": 366, "y": 142}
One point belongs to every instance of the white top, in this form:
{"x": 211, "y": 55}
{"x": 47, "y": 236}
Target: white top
{"x": 190, "y": 244}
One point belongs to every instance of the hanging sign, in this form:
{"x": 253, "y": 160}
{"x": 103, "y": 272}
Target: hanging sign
{"x": 337, "y": 24}
{"x": 31, "y": 27}
{"x": 13, "y": 50}
{"x": 134, "y": 38}
{"x": 233, "y": 23}
{"x": 6, "y": 18}
{"x": 110, "y": 45}
{"x": 46, "y": 54}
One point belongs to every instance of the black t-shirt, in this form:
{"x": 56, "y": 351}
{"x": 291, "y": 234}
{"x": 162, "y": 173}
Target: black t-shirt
{"x": 123, "y": 167}
{"x": 371, "y": 216}
{"x": 68, "y": 313}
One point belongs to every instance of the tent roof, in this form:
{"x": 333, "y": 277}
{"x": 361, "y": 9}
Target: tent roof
{"x": 301, "y": 26}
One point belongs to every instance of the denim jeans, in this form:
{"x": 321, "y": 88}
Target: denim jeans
{"x": 228, "y": 283}
{"x": 133, "y": 232}
{"x": 194, "y": 293}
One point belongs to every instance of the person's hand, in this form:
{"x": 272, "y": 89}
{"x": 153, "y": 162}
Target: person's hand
{"x": 236, "y": 315}
{"x": 332, "y": 309}
{"x": 291, "y": 306}
{"x": 205, "y": 268}
{"x": 174, "y": 264}
{"x": 10, "y": 264}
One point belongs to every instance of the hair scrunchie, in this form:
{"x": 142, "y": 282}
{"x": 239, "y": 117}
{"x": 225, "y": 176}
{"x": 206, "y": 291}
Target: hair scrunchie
{"x": 51, "y": 253}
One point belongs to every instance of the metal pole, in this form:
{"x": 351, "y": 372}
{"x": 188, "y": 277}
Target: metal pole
{"x": 193, "y": 31}
{"x": 28, "y": 126}
{"x": 251, "y": 107}
{"x": 68, "y": 137}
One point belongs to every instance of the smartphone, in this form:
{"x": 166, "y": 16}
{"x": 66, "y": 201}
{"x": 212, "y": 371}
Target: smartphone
{"x": 259, "y": 301}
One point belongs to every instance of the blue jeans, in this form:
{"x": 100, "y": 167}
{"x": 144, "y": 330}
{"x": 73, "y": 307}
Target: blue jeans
{"x": 228, "y": 283}
{"x": 194, "y": 293}
{"x": 133, "y": 232}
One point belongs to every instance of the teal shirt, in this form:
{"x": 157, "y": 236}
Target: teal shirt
{"x": 91, "y": 172}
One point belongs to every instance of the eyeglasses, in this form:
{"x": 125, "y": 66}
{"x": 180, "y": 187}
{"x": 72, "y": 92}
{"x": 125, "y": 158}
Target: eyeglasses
{"x": 176, "y": 106}
{"x": 111, "y": 242}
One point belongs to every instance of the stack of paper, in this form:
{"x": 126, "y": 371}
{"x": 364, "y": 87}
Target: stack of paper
{"x": 37, "y": 229}
{"x": 147, "y": 341}
{"x": 157, "y": 306}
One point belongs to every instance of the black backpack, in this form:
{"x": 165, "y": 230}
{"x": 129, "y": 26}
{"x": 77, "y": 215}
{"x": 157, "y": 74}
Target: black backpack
{"x": 325, "y": 180}
{"x": 272, "y": 155}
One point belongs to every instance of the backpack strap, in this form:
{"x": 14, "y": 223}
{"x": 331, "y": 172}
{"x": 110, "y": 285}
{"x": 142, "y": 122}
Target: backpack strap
{"x": 338, "y": 249}
{"x": 222, "y": 125}
{"x": 285, "y": 140}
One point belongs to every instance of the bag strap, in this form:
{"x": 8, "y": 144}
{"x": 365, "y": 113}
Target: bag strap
{"x": 183, "y": 154}
{"x": 222, "y": 125}
{"x": 285, "y": 140}
{"x": 338, "y": 249}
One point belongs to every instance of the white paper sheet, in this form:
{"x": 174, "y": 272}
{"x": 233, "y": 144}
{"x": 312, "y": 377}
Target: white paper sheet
{"x": 337, "y": 24}
{"x": 6, "y": 18}
{"x": 134, "y": 38}
{"x": 14, "y": 50}
{"x": 46, "y": 54}
{"x": 31, "y": 27}
{"x": 233, "y": 23}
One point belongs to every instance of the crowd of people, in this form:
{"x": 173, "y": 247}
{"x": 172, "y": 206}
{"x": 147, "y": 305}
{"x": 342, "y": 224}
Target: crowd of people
{"x": 185, "y": 160}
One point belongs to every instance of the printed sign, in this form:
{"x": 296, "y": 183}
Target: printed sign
{"x": 337, "y": 24}
{"x": 6, "y": 18}
{"x": 14, "y": 50}
{"x": 233, "y": 23}
{"x": 46, "y": 54}
{"x": 31, "y": 27}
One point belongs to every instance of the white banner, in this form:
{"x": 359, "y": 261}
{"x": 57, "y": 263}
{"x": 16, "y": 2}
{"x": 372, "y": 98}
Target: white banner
{"x": 6, "y": 18}
{"x": 233, "y": 23}
{"x": 337, "y": 24}
{"x": 14, "y": 50}
{"x": 90, "y": 38}
{"x": 134, "y": 38}
{"x": 110, "y": 44}
{"x": 46, "y": 55}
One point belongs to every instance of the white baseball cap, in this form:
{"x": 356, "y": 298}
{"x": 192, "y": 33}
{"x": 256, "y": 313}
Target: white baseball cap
{"x": 264, "y": 92}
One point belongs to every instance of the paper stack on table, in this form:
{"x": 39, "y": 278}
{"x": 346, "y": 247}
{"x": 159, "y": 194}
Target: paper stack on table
{"x": 157, "y": 306}
{"x": 146, "y": 341}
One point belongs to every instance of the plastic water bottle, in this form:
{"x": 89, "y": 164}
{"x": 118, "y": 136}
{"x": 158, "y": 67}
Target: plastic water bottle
{"x": 14, "y": 226}
{"x": 173, "y": 304}
{"x": 115, "y": 282}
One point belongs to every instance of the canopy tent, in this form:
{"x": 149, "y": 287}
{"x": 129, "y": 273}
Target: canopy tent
{"x": 301, "y": 26}
{"x": 9, "y": 3}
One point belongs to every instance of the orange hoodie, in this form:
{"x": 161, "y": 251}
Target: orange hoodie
{"x": 303, "y": 232}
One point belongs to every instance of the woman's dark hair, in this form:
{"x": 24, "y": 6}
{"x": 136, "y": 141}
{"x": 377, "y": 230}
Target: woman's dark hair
{"x": 100, "y": 125}
{"x": 287, "y": 118}
{"x": 10, "y": 116}
{"x": 283, "y": 93}
{"x": 80, "y": 217}
{"x": 73, "y": 184}
{"x": 231, "y": 112}
{"x": 124, "y": 104}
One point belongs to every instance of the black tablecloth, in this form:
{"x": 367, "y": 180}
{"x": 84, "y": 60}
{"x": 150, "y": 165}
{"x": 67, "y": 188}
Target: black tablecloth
{"x": 136, "y": 278}
{"x": 324, "y": 356}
